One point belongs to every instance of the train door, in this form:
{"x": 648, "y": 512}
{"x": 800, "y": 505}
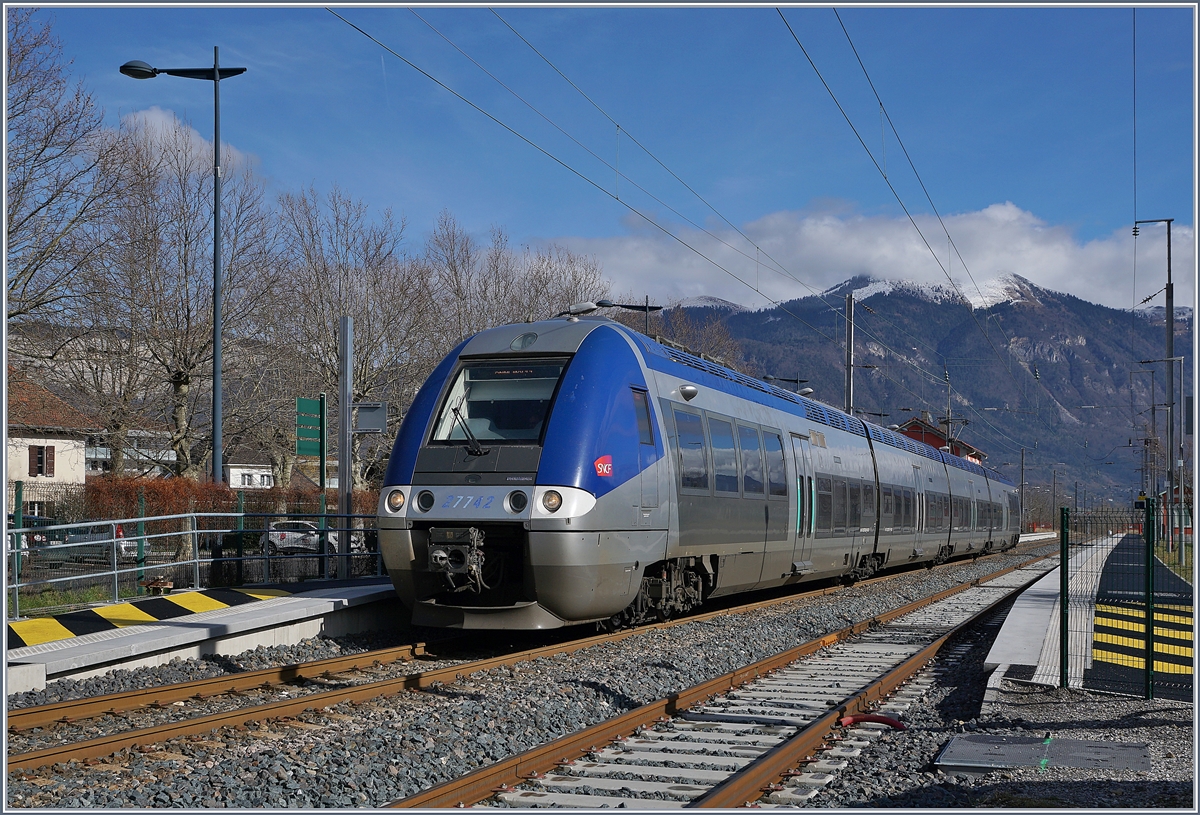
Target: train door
{"x": 918, "y": 510}
{"x": 972, "y": 520}
{"x": 647, "y": 457}
{"x": 805, "y": 502}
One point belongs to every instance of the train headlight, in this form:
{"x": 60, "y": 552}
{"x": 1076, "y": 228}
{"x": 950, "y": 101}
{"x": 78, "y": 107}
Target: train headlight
{"x": 517, "y": 501}
{"x": 551, "y": 500}
{"x": 395, "y": 500}
{"x": 425, "y": 500}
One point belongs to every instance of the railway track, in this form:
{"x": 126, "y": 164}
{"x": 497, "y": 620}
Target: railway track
{"x": 347, "y": 679}
{"x": 761, "y": 735}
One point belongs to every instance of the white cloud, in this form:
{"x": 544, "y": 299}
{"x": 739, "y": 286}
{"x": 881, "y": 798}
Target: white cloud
{"x": 826, "y": 247}
{"x": 159, "y": 122}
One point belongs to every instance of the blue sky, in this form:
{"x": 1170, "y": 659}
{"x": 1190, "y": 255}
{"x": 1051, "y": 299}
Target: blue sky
{"x": 1020, "y": 121}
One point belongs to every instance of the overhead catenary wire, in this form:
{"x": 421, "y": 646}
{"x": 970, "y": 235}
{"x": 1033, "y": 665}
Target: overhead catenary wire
{"x": 883, "y": 113}
{"x": 921, "y": 371}
{"x": 567, "y": 167}
{"x": 895, "y": 193}
{"x": 615, "y": 167}
{"x": 777, "y": 266}
{"x": 930, "y": 377}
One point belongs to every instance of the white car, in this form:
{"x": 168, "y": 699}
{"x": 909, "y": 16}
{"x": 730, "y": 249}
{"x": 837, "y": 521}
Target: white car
{"x": 297, "y": 537}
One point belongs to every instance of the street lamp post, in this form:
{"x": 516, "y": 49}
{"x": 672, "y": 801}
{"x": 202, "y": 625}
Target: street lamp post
{"x": 141, "y": 70}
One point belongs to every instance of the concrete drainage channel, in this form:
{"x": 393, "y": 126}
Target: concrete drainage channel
{"x": 718, "y": 752}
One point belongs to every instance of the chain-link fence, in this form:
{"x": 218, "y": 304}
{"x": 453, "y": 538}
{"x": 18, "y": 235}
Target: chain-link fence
{"x": 1125, "y": 602}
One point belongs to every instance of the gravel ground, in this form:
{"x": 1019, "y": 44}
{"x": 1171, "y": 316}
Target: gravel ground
{"x": 372, "y": 753}
{"x": 899, "y": 771}
{"x": 188, "y": 670}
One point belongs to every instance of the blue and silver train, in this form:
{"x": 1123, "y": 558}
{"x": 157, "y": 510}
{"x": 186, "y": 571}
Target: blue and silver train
{"x": 573, "y": 471}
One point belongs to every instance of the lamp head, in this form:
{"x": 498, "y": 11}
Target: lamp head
{"x": 138, "y": 70}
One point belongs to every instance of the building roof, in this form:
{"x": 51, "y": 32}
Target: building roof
{"x": 244, "y": 455}
{"x": 919, "y": 429}
{"x": 32, "y": 407}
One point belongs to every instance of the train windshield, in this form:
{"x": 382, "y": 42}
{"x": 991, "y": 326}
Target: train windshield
{"x": 499, "y": 402}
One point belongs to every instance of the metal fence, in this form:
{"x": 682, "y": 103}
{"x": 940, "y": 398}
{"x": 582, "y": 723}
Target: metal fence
{"x": 51, "y": 568}
{"x": 1125, "y": 602}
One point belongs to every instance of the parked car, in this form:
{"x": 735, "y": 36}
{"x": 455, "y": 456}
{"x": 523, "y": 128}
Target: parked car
{"x": 36, "y": 537}
{"x": 37, "y": 546}
{"x": 297, "y": 537}
{"x": 95, "y": 543}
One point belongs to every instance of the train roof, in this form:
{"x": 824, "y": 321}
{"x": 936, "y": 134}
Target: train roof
{"x": 565, "y": 335}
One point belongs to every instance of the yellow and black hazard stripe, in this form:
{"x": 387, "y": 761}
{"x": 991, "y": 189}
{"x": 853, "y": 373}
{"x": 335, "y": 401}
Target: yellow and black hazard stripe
{"x": 1120, "y": 637}
{"x": 138, "y": 612}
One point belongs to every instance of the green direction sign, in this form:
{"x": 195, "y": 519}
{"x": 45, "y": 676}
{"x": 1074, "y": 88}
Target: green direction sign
{"x": 308, "y": 427}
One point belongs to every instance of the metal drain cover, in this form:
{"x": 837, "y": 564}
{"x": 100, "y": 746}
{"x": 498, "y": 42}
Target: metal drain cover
{"x": 984, "y": 752}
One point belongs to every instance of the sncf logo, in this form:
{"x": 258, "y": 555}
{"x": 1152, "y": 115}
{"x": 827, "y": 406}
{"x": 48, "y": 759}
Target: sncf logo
{"x": 604, "y": 466}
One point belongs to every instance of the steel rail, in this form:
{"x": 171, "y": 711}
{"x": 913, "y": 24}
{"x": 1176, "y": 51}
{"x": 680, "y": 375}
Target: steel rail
{"x": 744, "y": 787}
{"x": 480, "y": 784}
{"x": 117, "y": 704}
{"x": 107, "y": 745}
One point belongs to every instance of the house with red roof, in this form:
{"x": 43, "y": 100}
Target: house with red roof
{"x": 924, "y": 430}
{"x": 46, "y": 435}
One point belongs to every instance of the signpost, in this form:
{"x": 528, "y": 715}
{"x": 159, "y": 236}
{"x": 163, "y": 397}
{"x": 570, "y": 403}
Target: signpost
{"x": 311, "y": 432}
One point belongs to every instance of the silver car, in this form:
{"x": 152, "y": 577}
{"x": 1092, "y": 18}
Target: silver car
{"x": 297, "y": 537}
{"x": 95, "y": 543}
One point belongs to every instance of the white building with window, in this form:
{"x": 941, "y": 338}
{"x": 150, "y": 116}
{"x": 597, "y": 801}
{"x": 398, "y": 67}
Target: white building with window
{"x": 248, "y": 469}
{"x": 46, "y": 436}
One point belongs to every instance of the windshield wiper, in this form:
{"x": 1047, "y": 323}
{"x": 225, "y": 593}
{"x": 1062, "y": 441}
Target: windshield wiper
{"x": 473, "y": 446}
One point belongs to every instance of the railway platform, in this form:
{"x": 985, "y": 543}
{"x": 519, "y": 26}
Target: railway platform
{"x": 1106, "y": 639}
{"x": 155, "y": 630}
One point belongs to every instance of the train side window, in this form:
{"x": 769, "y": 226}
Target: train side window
{"x": 752, "y": 465}
{"x": 824, "y": 503}
{"x": 693, "y": 453}
{"x": 777, "y": 485}
{"x": 868, "y": 504}
{"x": 907, "y": 512}
{"x": 854, "y": 507}
{"x": 885, "y": 507}
{"x": 641, "y": 406}
{"x": 724, "y": 452}
{"x": 839, "y": 505}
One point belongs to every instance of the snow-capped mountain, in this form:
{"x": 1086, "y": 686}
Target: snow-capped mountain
{"x": 1027, "y": 366}
{"x": 1009, "y": 288}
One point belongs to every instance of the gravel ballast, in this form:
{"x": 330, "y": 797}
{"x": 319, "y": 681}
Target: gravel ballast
{"x": 375, "y": 752}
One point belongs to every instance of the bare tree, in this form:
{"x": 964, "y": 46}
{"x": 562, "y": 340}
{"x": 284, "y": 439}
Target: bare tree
{"x": 479, "y": 289}
{"x": 709, "y": 337}
{"x": 161, "y": 261}
{"x": 55, "y": 184}
{"x": 342, "y": 262}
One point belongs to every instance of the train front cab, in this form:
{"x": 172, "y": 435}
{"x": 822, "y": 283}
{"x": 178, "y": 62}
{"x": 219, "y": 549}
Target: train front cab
{"x": 556, "y": 521}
